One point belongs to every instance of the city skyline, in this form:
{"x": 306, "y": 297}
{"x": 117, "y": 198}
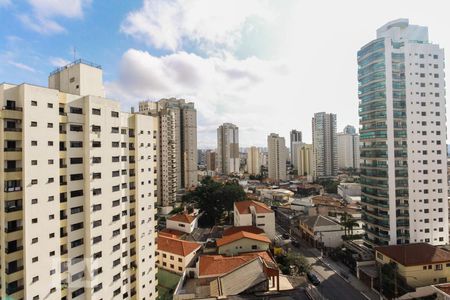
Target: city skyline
{"x": 224, "y": 70}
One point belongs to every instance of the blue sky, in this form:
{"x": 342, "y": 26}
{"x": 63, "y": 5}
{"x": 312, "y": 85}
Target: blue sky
{"x": 264, "y": 65}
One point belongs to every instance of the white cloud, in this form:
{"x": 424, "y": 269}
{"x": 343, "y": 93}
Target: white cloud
{"x": 223, "y": 89}
{"x": 58, "y": 61}
{"x": 22, "y": 66}
{"x": 44, "y": 12}
{"x": 208, "y": 24}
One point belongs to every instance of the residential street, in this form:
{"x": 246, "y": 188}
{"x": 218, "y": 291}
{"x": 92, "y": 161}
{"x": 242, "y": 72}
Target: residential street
{"x": 332, "y": 286}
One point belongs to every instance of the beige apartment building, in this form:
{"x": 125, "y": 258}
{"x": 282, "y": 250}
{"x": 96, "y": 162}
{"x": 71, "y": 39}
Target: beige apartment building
{"x": 227, "y": 155}
{"x": 77, "y": 191}
{"x": 177, "y": 146}
{"x": 253, "y": 161}
{"x": 277, "y": 157}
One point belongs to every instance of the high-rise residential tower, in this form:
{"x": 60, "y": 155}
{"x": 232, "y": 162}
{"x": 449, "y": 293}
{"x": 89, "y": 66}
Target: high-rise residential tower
{"x": 295, "y": 137}
{"x": 324, "y": 145}
{"x": 228, "y": 160}
{"x": 210, "y": 160}
{"x": 403, "y": 137}
{"x": 348, "y": 148}
{"x": 77, "y": 191}
{"x": 277, "y": 157}
{"x": 295, "y": 154}
{"x": 253, "y": 162}
{"x": 177, "y": 146}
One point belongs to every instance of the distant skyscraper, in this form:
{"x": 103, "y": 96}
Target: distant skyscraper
{"x": 76, "y": 220}
{"x": 348, "y": 148}
{"x": 295, "y": 154}
{"x": 295, "y": 137}
{"x": 277, "y": 157}
{"x": 306, "y": 160}
{"x": 349, "y": 129}
{"x": 324, "y": 145}
{"x": 403, "y": 137}
{"x": 177, "y": 146}
{"x": 211, "y": 160}
{"x": 253, "y": 163}
{"x": 228, "y": 160}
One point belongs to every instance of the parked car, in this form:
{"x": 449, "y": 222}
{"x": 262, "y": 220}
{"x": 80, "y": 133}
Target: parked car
{"x": 313, "y": 278}
{"x": 286, "y": 236}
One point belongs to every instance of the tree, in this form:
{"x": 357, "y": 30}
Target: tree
{"x": 298, "y": 260}
{"x": 348, "y": 222}
{"x": 214, "y": 198}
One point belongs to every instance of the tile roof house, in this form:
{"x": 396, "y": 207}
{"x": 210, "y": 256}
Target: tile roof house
{"x": 182, "y": 222}
{"x": 254, "y": 213}
{"x": 174, "y": 254}
{"x": 420, "y": 264}
{"x": 321, "y": 231}
{"x": 242, "y": 241}
{"x": 233, "y": 229}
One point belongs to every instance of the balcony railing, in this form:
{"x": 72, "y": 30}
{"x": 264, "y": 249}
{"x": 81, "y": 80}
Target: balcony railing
{"x": 12, "y": 108}
{"x": 13, "y": 229}
{"x": 13, "y": 129}
{"x": 13, "y": 170}
{"x": 13, "y": 208}
{"x": 13, "y": 249}
{"x": 12, "y": 290}
{"x": 13, "y": 270}
{"x": 12, "y": 149}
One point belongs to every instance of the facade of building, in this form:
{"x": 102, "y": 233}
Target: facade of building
{"x": 296, "y": 148}
{"x": 254, "y": 213}
{"x": 228, "y": 159}
{"x": 306, "y": 160}
{"x": 182, "y": 222}
{"x": 403, "y": 137}
{"x": 77, "y": 191}
{"x": 324, "y": 145}
{"x": 295, "y": 137}
{"x": 277, "y": 157}
{"x": 253, "y": 161}
{"x": 175, "y": 255}
{"x": 419, "y": 264}
{"x": 348, "y": 148}
{"x": 177, "y": 146}
{"x": 322, "y": 231}
{"x": 211, "y": 160}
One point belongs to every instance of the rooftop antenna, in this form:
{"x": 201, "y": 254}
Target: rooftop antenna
{"x": 74, "y": 53}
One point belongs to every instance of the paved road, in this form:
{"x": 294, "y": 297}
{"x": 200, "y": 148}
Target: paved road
{"x": 332, "y": 286}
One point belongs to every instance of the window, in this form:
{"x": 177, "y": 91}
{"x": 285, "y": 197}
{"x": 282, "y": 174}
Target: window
{"x": 33, "y": 143}
{"x": 97, "y": 239}
{"x": 96, "y": 128}
{"x": 115, "y": 173}
{"x": 96, "y": 111}
{"x": 115, "y": 144}
{"x": 76, "y": 226}
{"x": 96, "y": 144}
{"x": 34, "y": 240}
{"x": 96, "y": 160}
{"x": 76, "y": 210}
{"x": 76, "y": 193}
{"x": 114, "y": 114}
{"x": 49, "y": 105}
{"x": 97, "y": 191}
{"x": 76, "y": 110}
{"x": 49, "y": 125}
{"x": 75, "y": 177}
{"x": 76, "y": 128}
{"x": 97, "y": 175}
{"x": 438, "y": 267}
{"x": 96, "y": 207}
{"x": 33, "y": 124}
{"x": 34, "y": 279}
{"x": 76, "y": 144}
{"x": 50, "y": 161}
{"x": 76, "y": 160}
{"x": 96, "y": 223}
{"x": 33, "y": 103}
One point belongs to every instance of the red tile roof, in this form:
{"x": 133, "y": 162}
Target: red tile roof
{"x": 171, "y": 233}
{"x": 216, "y": 265}
{"x": 183, "y": 218}
{"x": 244, "y": 207}
{"x": 251, "y": 229}
{"x": 415, "y": 254}
{"x": 241, "y": 235}
{"x": 445, "y": 288}
{"x": 176, "y": 246}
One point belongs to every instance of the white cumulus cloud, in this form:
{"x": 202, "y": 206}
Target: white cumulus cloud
{"x": 208, "y": 24}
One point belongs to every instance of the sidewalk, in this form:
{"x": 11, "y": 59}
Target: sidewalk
{"x": 341, "y": 269}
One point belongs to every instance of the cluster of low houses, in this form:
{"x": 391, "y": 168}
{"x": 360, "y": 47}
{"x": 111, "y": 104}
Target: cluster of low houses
{"x": 237, "y": 260}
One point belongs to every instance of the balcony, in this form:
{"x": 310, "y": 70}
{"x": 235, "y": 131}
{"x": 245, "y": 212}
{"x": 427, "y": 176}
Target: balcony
{"x": 13, "y": 270}
{"x": 13, "y": 169}
{"x": 13, "y": 129}
{"x": 13, "y": 289}
{"x": 13, "y": 208}
{"x": 12, "y": 107}
{"x": 12, "y": 149}
{"x": 9, "y": 250}
{"x": 13, "y": 229}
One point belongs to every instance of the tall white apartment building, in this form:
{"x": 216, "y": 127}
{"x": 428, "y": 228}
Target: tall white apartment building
{"x": 177, "y": 147}
{"x": 348, "y": 148}
{"x": 304, "y": 159}
{"x": 228, "y": 160}
{"x": 253, "y": 162}
{"x": 403, "y": 137}
{"x": 77, "y": 192}
{"x": 324, "y": 145}
{"x": 295, "y": 154}
{"x": 277, "y": 157}
{"x": 295, "y": 137}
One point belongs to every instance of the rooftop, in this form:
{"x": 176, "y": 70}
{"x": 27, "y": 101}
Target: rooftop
{"x": 171, "y": 233}
{"x": 241, "y": 235}
{"x": 176, "y": 246}
{"x": 76, "y": 62}
{"x": 244, "y": 207}
{"x": 317, "y": 221}
{"x": 216, "y": 265}
{"x": 183, "y": 218}
{"x": 251, "y": 229}
{"x": 415, "y": 254}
